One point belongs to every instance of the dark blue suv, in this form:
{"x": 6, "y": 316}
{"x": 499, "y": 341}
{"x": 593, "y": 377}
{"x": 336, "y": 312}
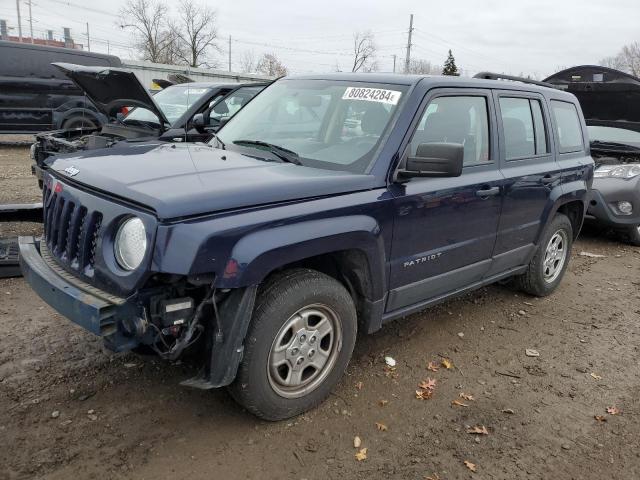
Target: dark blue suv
{"x": 328, "y": 206}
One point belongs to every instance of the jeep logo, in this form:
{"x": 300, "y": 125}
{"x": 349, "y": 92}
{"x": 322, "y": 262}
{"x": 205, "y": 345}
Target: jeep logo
{"x": 71, "y": 171}
{"x": 418, "y": 261}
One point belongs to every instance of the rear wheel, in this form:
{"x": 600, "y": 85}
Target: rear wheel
{"x": 547, "y": 267}
{"x": 299, "y": 343}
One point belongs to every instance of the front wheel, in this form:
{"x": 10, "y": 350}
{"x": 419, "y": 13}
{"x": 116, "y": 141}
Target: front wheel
{"x": 299, "y": 343}
{"x": 548, "y": 265}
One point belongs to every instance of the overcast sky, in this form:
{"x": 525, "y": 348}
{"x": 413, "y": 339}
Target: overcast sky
{"x": 523, "y": 36}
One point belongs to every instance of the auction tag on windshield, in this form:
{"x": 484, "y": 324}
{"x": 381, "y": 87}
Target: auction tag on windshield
{"x": 380, "y": 95}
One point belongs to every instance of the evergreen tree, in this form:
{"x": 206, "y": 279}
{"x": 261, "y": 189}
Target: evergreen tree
{"x": 450, "y": 66}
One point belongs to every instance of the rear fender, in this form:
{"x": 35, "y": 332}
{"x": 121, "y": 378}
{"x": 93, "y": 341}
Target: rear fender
{"x": 575, "y": 191}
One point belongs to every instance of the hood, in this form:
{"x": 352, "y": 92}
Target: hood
{"x": 180, "y": 180}
{"x": 608, "y": 97}
{"x": 110, "y": 89}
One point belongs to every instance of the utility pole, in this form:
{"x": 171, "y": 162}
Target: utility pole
{"x": 408, "y": 60}
{"x": 88, "y": 38}
{"x": 229, "y": 52}
{"x": 394, "y": 63}
{"x": 30, "y": 22}
{"x": 19, "y": 21}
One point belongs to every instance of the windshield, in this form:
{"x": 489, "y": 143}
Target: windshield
{"x": 173, "y": 101}
{"x": 329, "y": 124}
{"x": 613, "y": 134}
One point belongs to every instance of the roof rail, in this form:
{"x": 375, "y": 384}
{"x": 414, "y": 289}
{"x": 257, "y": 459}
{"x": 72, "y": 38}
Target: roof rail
{"x": 502, "y": 76}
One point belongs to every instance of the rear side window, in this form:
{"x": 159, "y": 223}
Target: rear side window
{"x": 523, "y": 126}
{"x": 459, "y": 119}
{"x": 567, "y": 126}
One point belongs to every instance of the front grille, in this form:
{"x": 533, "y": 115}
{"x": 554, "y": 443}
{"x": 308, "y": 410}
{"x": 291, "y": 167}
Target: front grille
{"x": 71, "y": 231}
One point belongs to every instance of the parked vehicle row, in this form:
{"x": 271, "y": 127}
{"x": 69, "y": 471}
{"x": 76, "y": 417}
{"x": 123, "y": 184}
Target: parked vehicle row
{"x": 611, "y": 103}
{"x": 188, "y": 112}
{"x": 327, "y": 206}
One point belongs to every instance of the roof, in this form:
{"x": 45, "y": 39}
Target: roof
{"x": 441, "y": 80}
{"x": 216, "y": 84}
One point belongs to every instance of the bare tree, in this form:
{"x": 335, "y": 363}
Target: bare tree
{"x": 627, "y": 60}
{"x": 174, "y": 51}
{"x": 631, "y": 57}
{"x": 196, "y": 30}
{"x": 615, "y": 62}
{"x": 147, "y": 20}
{"x": 248, "y": 62}
{"x": 271, "y": 66}
{"x": 423, "y": 67}
{"x": 364, "y": 52}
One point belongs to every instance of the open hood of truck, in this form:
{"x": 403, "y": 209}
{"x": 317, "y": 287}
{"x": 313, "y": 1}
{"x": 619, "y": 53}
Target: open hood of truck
{"x": 110, "y": 89}
{"x": 608, "y": 97}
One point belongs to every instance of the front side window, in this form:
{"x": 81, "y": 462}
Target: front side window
{"x": 331, "y": 124}
{"x": 231, "y": 104}
{"x": 567, "y": 126}
{"x": 456, "y": 119}
{"x": 523, "y": 127}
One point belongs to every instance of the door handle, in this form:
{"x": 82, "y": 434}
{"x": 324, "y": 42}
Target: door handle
{"x": 547, "y": 179}
{"x": 488, "y": 192}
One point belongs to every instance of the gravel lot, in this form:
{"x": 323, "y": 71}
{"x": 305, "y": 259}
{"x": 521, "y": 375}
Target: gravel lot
{"x": 69, "y": 409}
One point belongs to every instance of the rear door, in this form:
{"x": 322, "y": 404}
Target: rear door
{"x": 445, "y": 228}
{"x": 530, "y": 171}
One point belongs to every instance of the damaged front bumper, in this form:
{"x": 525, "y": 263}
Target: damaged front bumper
{"x": 122, "y": 323}
{"x": 95, "y": 310}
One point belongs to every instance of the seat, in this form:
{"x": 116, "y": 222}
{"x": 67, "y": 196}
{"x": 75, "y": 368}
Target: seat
{"x": 374, "y": 120}
{"x": 515, "y": 138}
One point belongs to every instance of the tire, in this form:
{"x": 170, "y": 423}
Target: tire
{"x": 633, "y": 235}
{"x": 79, "y": 121}
{"x": 292, "y": 316}
{"x": 542, "y": 279}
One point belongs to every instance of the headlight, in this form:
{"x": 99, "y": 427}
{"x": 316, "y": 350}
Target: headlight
{"x": 627, "y": 171}
{"x": 131, "y": 244}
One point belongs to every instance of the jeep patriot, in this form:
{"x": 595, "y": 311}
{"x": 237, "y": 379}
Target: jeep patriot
{"x": 328, "y": 206}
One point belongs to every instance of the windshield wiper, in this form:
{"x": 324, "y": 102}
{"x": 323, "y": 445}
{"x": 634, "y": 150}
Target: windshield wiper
{"x": 614, "y": 145}
{"x": 282, "y": 153}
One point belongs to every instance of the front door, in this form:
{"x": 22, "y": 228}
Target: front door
{"x": 445, "y": 228}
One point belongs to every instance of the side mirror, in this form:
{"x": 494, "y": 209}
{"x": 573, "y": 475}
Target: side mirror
{"x": 198, "y": 122}
{"x": 435, "y": 160}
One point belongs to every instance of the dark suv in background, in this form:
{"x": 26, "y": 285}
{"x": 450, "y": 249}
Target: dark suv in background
{"x": 328, "y": 206}
{"x": 35, "y": 96}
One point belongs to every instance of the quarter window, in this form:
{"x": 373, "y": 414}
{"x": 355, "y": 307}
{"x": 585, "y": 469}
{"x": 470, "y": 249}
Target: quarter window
{"x": 523, "y": 126}
{"x": 567, "y": 126}
{"x": 459, "y": 119}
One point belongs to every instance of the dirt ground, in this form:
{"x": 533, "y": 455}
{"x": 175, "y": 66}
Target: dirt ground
{"x": 69, "y": 409}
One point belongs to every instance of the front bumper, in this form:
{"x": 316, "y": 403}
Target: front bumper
{"x": 605, "y": 194}
{"x": 96, "y": 311}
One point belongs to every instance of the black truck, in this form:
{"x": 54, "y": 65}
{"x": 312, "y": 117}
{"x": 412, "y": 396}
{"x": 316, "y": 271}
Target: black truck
{"x": 35, "y": 96}
{"x": 328, "y": 206}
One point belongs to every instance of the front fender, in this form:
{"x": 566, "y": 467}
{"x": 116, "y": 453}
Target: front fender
{"x": 258, "y": 253}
